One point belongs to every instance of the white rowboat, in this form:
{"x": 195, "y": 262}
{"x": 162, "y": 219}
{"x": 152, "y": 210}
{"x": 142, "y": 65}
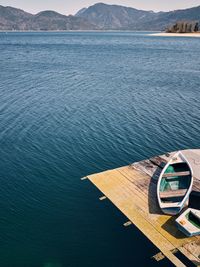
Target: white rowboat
{"x": 189, "y": 222}
{"x": 175, "y": 185}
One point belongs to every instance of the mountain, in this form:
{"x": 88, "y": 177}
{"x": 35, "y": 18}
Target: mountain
{"x": 11, "y": 18}
{"x": 109, "y": 17}
{"x": 81, "y": 11}
{"x": 114, "y": 17}
{"x": 163, "y": 20}
{"x": 17, "y": 19}
{"x": 97, "y": 17}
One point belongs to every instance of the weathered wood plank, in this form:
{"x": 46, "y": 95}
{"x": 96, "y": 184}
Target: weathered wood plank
{"x": 173, "y": 193}
{"x": 159, "y": 161}
{"x": 167, "y": 175}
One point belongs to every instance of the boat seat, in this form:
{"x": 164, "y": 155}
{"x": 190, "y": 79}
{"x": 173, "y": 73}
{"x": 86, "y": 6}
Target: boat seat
{"x": 173, "y": 193}
{"x": 175, "y": 174}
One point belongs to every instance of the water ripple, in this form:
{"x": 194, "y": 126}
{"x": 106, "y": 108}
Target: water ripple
{"x": 77, "y": 103}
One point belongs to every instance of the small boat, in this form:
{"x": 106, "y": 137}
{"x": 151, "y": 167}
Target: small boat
{"x": 189, "y": 222}
{"x": 175, "y": 185}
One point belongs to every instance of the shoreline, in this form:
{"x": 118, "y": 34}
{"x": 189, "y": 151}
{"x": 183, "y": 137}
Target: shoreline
{"x": 10, "y": 31}
{"x": 147, "y": 33}
{"x": 165, "y": 34}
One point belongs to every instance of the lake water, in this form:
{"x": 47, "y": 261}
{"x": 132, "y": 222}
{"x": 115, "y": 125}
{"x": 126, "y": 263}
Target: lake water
{"x": 73, "y": 104}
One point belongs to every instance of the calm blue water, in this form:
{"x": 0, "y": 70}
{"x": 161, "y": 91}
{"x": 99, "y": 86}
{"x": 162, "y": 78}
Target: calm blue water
{"x": 72, "y": 104}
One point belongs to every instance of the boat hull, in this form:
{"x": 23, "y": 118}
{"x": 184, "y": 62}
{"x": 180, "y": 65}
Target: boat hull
{"x": 171, "y": 211}
{"x": 185, "y": 232}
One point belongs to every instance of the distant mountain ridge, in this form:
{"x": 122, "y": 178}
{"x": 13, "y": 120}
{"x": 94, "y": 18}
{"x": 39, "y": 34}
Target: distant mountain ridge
{"x": 114, "y": 17}
{"x": 97, "y": 17}
{"x": 19, "y": 20}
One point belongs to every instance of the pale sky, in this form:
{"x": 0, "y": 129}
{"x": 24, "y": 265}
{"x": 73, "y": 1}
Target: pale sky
{"x": 72, "y": 6}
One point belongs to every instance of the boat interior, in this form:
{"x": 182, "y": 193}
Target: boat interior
{"x": 194, "y": 218}
{"x": 175, "y": 182}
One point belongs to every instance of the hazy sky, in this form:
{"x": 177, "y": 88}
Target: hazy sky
{"x": 72, "y": 6}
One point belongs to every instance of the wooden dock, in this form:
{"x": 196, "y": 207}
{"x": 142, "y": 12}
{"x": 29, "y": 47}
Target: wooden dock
{"x": 132, "y": 189}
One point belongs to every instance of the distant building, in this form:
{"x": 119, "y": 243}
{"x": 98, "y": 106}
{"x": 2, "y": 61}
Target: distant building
{"x": 184, "y": 27}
